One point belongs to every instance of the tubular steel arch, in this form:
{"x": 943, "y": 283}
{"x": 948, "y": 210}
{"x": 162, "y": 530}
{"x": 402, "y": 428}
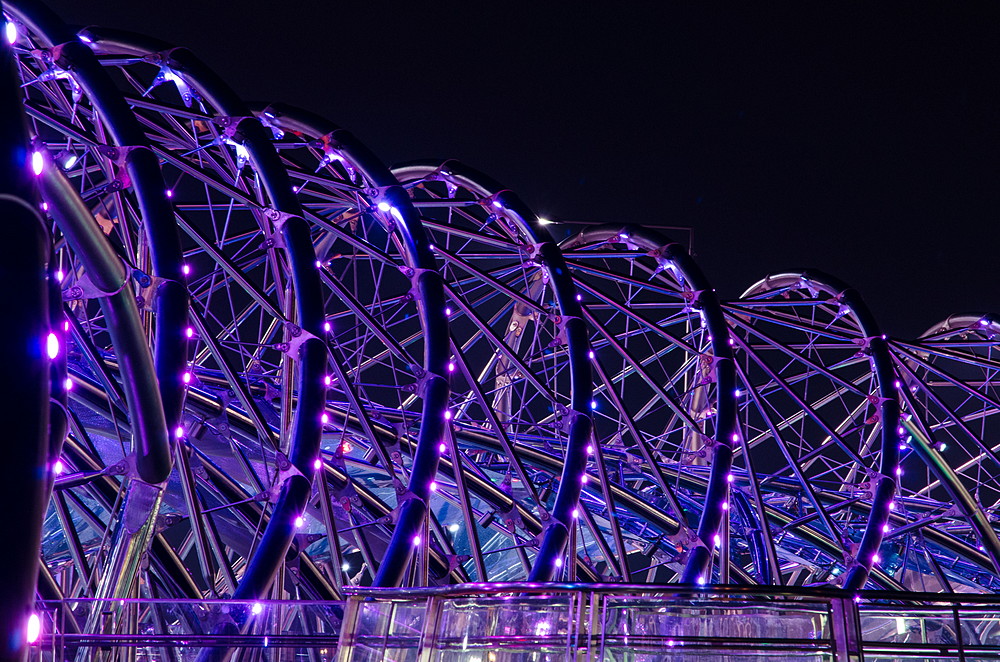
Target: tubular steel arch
{"x": 208, "y": 139}
{"x": 364, "y": 221}
{"x": 817, "y": 383}
{"x": 657, "y": 323}
{"x": 505, "y": 278}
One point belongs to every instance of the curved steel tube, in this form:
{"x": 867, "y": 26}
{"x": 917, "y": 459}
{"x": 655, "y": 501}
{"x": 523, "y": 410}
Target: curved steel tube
{"x": 306, "y": 426}
{"x": 576, "y": 335}
{"x": 713, "y": 516}
{"x": 885, "y": 486}
{"x": 430, "y": 297}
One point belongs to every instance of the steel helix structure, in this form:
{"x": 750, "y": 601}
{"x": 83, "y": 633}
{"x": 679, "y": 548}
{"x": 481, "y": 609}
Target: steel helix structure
{"x": 262, "y": 364}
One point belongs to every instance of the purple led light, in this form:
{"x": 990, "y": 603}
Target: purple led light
{"x": 300, "y": 522}
{"x": 37, "y": 162}
{"x": 10, "y": 31}
{"x": 416, "y": 541}
{"x": 590, "y": 449}
{"x": 451, "y": 367}
{"x": 52, "y": 345}
{"x": 576, "y": 513}
{"x": 34, "y": 627}
{"x": 327, "y": 380}
{"x": 58, "y": 467}
{"x": 317, "y": 464}
{"x": 256, "y": 609}
{"x": 384, "y": 206}
{"x": 60, "y": 276}
{"x": 447, "y": 415}
{"x": 558, "y": 562}
{"x": 186, "y": 378}
{"x": 434, "y": 486}
{"x": 68, "y": 384}
{"x": 325, "y": 418}
{"x": 441, "y": 448}
{"x": 186, "y": 270}
{"x": 179, "y": 432}
{"x": 189, "y": 332}
{"x": 717, "y": 540}
{"x": 85, "y": 39}
{"x": 327, "y": 327}
{"x": 170, "y": 193}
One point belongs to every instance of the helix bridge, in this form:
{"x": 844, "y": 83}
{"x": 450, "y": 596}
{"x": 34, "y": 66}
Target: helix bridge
{"x": 273, "y": 370}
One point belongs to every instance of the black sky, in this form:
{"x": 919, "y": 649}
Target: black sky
{"x": 860, "y": 141}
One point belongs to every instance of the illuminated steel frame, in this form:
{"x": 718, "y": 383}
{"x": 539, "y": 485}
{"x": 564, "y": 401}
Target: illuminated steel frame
{"x": 274, "y": 368}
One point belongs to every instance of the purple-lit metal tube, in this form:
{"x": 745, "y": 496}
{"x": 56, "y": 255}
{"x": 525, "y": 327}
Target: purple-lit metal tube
{"x": 130, "y": 145}
{"x": 306, "y": 429}
{"x": 24, "y": 256}
{"x": 576, "y": 336}
{"x": 885, "y": 486}
{"x": 712, "y": 516}
{"x": 430, "y": 301}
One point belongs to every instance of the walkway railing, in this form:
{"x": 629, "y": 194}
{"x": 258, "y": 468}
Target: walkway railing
{"x": 522, "y": 622}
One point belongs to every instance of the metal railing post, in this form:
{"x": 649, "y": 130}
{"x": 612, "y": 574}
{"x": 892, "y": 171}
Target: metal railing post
{"x": 348, "y": 629}
{"x": 845, "y": 627}
{"x": 429, "y": 633}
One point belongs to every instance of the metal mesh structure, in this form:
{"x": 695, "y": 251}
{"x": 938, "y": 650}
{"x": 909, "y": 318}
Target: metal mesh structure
{"x": 280, "y": 370}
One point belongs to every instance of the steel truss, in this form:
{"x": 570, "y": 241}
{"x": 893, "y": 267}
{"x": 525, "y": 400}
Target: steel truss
{"x": 283, "y": 369}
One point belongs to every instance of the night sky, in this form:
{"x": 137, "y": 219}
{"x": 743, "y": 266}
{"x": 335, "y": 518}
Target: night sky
{"x": 860, "y": 141}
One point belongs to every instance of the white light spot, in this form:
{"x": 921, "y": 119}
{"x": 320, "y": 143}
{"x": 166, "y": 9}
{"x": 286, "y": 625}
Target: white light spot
{"x": 10, "y": 31}
{"x": 257, "y": 608}
{"x": 34, "y": 623}
{"x": 52, "y": 345}
{"x": 37, "y": 162}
